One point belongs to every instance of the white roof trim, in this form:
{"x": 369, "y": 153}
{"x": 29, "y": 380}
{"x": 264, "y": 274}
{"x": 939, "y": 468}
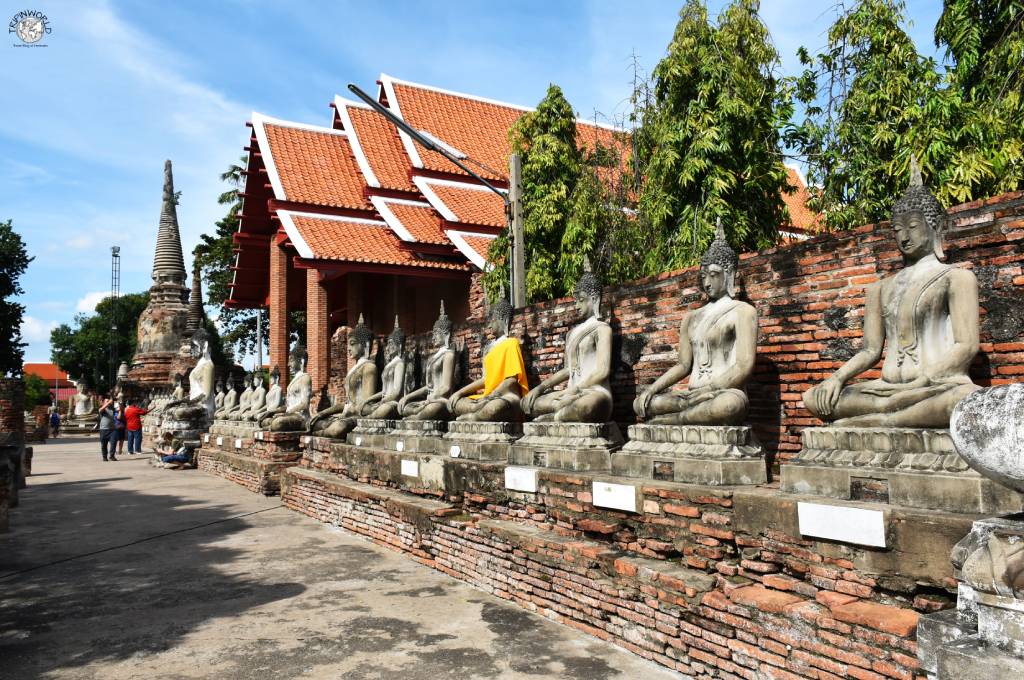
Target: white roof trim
{"x": 381, "y": 204}
{"x": 258, "y": 122}
{"x": 423, "y": 184}
{"x": 341, "y": 106}
{"x": 410, "y": 146}
{"x": 799, "y": 173}
{"x": 390, "y": 80}
{"x": 458, "y": 239}
{"x": 458, "y": 184}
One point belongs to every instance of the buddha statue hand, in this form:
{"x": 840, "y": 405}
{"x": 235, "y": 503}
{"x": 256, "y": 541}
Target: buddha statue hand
{"x": 825, "y": 397}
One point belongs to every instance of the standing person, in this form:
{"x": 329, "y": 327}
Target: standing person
{"x": 121, "y": 424}
{"x": 108, "y": 429}
{"x": 54, "y": 424}
{"x": 133, "y": 426}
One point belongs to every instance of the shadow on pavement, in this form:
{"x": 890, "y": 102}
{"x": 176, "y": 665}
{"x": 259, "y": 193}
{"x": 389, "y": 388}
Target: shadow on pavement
{"x": 67, "y": 599}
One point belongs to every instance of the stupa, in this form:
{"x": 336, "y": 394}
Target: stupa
{"x": 163, "y": 323}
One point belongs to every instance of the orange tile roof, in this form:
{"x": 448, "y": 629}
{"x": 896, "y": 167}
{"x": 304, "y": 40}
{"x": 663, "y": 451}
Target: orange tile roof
{"x": 422, "y": 222}
{"x": 346, "y": 239}
{"x": 381, "y": 146}
{"x": 477, "y": 127}
{"x": 463, "y": 202}
{"x": 474, "y": 246}
{"x": 800, "y": 216}
{"x": 310, "y": 165}
{"x": 48, "y": 372}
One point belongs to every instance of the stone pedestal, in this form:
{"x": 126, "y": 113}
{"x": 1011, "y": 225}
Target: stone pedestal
{"x": 235, "y": 429}
{"x": 694, "y": 454}
{"x": 371, "y": 433}
{"x": 187, "y": 433}
{"x": 415, "y": 436}
{"x": 901, "y": 466}
{"x": 481, "y": 441}
{"x": 984, "y": 637}
{"x": 579, "y": 447}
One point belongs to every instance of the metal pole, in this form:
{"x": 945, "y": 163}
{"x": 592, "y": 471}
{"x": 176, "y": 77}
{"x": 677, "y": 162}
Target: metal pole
{"x": 517, "y": 270}
{"x": 259, "y": 338}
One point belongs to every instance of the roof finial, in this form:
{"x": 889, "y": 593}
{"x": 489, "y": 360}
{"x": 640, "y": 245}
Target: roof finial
{"x": 915, "y": 172}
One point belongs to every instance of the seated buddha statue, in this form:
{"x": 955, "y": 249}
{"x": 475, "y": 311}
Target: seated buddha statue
{"x": 256, "y": 399}
{"x": 496, "y": 395}
{"x": 293, "y": 416}
{"x": 272, "y": 404}
{"x": 587, "y": 397}
{"x": 926, "y": 315}
{"x": 430, "y": 402}
{"x": 198, "y": 406}
{"x": 230, "y": 399}
{"x": 218, "y": 399}
{"x": 243, "y": 400}
{"x": 717, "y": 348}
{"x": 384, "y": 404}
{"x": 338, "y": 420}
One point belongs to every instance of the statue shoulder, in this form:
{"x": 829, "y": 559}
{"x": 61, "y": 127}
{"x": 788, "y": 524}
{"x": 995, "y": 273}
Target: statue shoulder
{"x": 960, "y": 276}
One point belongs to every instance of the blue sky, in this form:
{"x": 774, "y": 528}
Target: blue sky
{"x": 87, "y": 121}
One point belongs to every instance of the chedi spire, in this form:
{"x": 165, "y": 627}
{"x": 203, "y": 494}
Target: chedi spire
{"x": 168, "y": 262}
{"x": 195, "y": 302}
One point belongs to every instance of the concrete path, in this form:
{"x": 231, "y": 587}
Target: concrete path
{"x": 122, "y": 570}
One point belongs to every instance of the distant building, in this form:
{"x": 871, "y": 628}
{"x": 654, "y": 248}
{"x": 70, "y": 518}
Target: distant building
{"x": 61, "y": 387}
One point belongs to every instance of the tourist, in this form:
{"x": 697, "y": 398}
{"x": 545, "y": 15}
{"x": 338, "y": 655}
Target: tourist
{"x": 108, "y": 429}
{"x": 121, "y": 425}
{"x": 54, "y": 424}
{"x": 133, "y": 426}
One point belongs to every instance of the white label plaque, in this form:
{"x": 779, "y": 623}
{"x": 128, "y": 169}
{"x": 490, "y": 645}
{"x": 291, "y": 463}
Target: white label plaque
{"x": 238, "y": 443}
{"x": 521, "y": 479}
{"x": 259, "y": 435}
{"x": 206, "y": 438}
{"x": 839, "y": 523}
{"x": 455, "y": 451}
{"x": 410, "y": 468}
{"x": 306, "y": 440}
{"x": 400, "y": 446}
{"x": 359, "y": 441}
{"x": 220, "y": 441}
{"x": 616, "y": 496}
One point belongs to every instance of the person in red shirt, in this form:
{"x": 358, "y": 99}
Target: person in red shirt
{"x": 133, "y": 425}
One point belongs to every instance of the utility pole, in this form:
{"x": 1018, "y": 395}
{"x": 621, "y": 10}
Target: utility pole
{"x": 517, "y": 272}
{"x": 259, "y": 338}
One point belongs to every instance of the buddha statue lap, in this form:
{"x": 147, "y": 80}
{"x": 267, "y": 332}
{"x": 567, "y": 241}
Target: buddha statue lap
{"x": 430, "y": 402}
{"x": 360, "y": 384}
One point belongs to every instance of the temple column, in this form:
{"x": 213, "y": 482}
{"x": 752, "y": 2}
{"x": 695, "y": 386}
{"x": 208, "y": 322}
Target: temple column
{"x": 279, "y": 310}
{"x": 318, "y": 331}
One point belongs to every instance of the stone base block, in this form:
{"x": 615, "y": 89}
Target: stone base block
{"x": 234, "y": 429}
{"x": 970, "y": 658}
{"x": 692, "y": 454}
{"x": 413, "y": 436}
{"x": 371, "y": 432}
{"x": 481, "y": 441}
{"x": 902, "y": 466}
{"x": 276, "y": 446}
{"x": 579, "y": 447}
{"x": 258, "y": 476}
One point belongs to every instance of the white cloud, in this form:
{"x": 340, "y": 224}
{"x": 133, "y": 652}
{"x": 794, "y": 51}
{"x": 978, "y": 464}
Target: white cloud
{"x": 88, "y": 303}
{"x": 36, "y": 330}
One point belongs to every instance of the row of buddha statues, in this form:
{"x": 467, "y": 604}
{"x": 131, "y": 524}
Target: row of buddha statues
{"x": 924, "y": 319}
{"x": 925, "y": 316}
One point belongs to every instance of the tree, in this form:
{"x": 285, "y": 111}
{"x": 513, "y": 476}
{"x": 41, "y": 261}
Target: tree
{"x": 708, "y": 144}
{"x": 978, "y": 117}
{"x": 215, "y": 255}
{"x": 546, "y": 141}
{"x": 84, "y": 351}
{"x": 37, "y": 392}
{"x": 14, "y": 260}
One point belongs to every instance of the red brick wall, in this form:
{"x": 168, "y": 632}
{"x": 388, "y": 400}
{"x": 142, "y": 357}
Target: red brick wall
{"x": 318, "y": 331}
{"x": 12, "y": 408}
{"x": 809, "y": 297}
{"x": 279, "y": 310}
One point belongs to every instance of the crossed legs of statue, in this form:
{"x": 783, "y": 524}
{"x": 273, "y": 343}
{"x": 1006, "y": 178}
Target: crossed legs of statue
{"x": 718, "y": 407}
{"x": 435, "y": 409}
{"x": 496, "y": 410}
{"x": 588, "y": 406}
{"x": 876, "y": 404}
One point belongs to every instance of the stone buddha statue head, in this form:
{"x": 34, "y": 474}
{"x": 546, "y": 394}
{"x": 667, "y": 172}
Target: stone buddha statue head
{"x": 587, "y": 292}
{"x": 500, "y": 317}
{"x": 360, "y": 340}
{"x": 396, "y": 342}
{"x": 297, "y": 359}
{"x": 718, "y": 267}
{"x": 918, "y": 220}
{"x": 220, "y": 386}
{"x": 442, "y": 334}
{"x": 275, "y": 376}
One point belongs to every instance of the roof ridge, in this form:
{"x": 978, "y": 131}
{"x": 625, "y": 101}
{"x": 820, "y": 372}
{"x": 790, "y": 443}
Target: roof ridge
{"x": 263, "y": 119}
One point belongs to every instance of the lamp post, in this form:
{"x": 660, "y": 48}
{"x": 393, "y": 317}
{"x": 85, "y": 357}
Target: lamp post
{"x": 115, "y": 291}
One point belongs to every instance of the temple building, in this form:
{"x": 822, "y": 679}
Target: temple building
{"x": 163, "y": 323}
{"x": 354, "y": 218}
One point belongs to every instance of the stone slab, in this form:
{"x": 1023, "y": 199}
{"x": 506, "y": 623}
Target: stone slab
{"x": 936, "y": 631}
{"x": 969, "y": 658}
{"x": 954, "y": 492}
{"x": 410, "y": 436}
{"x": 521, "y": 479}
{"x": 625, "y": 497}
{"x": 580, "y": 447}
{"x": 692, "y": 454}
{"x": 481, "y": 441}
{"x": 859, "y": 526}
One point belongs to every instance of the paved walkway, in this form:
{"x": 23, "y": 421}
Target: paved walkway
{"x": 122, "y": 570}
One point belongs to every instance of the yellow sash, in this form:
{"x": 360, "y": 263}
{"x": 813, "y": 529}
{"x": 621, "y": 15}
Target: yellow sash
{"x": 504, "y": 360}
